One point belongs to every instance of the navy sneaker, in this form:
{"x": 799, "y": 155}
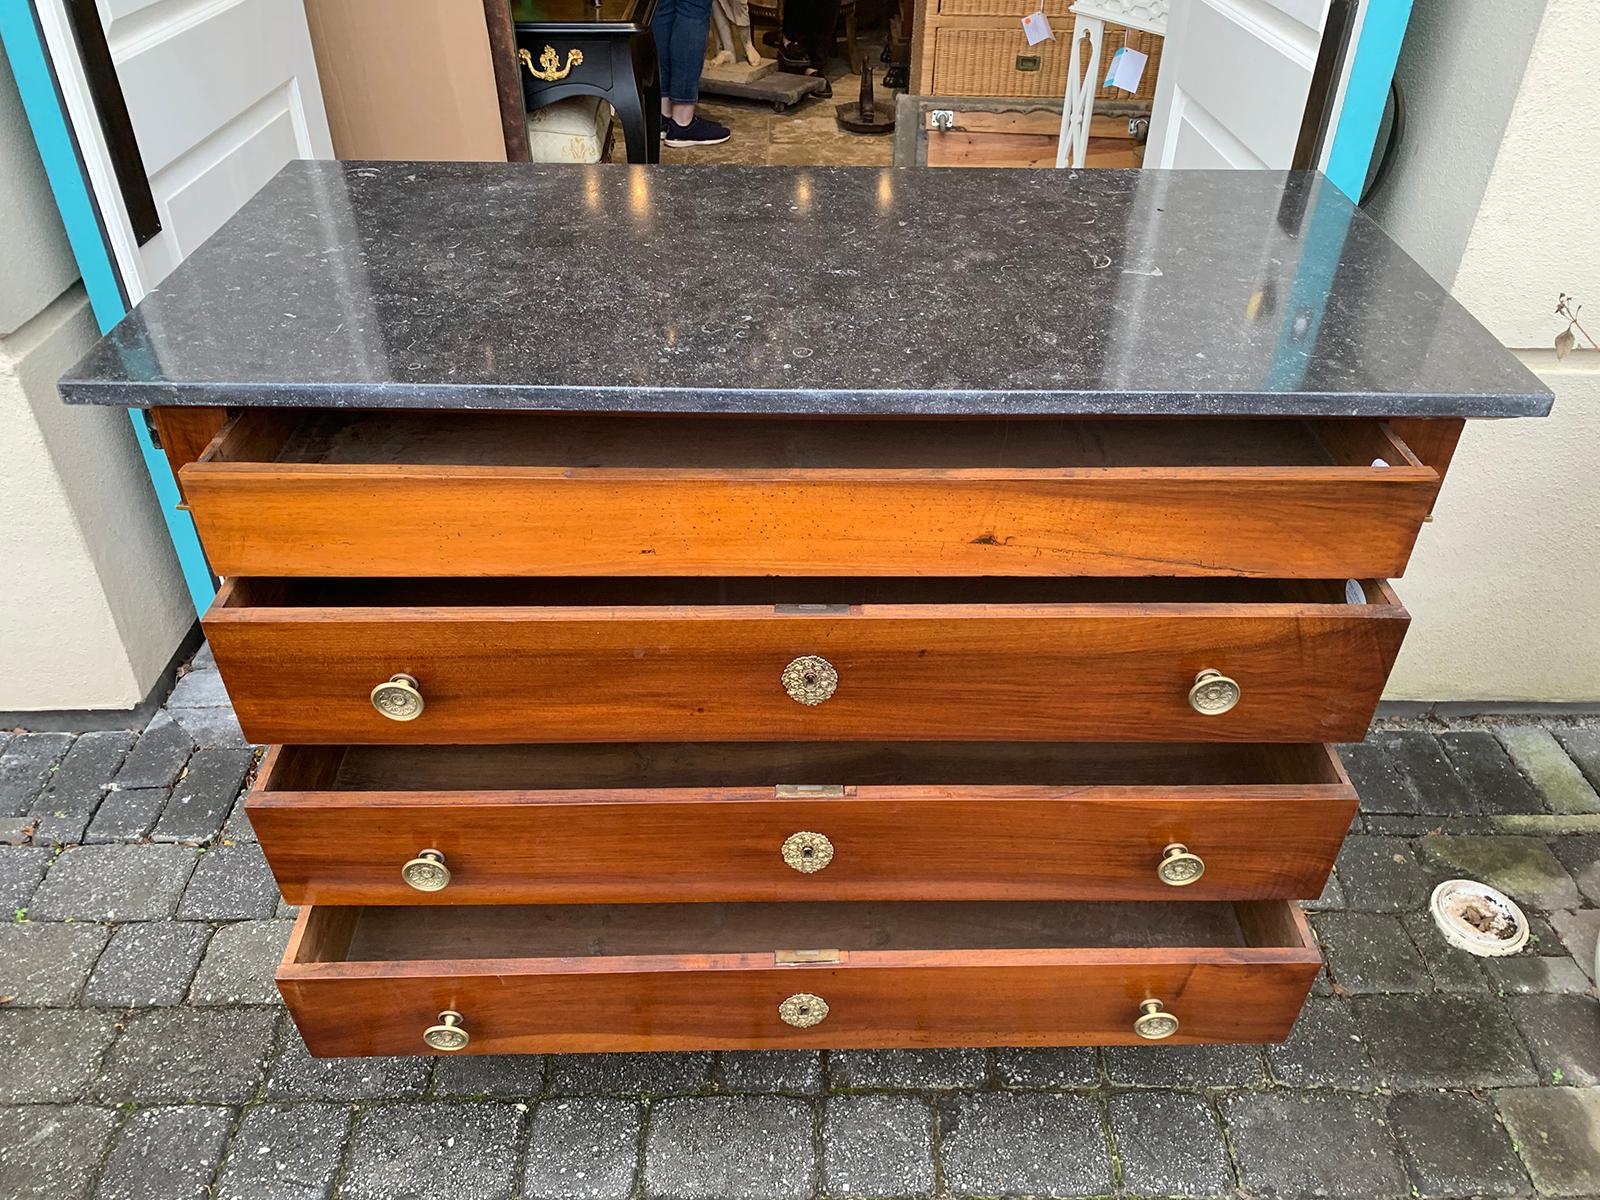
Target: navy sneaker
{"x": 698, "y": 132}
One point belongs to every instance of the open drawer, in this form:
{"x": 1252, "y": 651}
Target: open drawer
{"x": 395, "y": 493}
{"x": 556, "y": 978}
{"x": 599, "y": 660}
{"x": 630, "y": 823}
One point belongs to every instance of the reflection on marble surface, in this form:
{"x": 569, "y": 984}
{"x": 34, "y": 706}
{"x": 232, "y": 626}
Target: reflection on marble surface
{"x": 797, "y": 289}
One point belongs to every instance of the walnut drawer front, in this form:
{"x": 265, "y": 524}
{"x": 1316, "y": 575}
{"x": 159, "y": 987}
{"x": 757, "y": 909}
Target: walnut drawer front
{"x": 558, "y": 978}
{"x": 708, "y": 660}
{"x": 428, "y": 494}
{"x": 639, "y": 823}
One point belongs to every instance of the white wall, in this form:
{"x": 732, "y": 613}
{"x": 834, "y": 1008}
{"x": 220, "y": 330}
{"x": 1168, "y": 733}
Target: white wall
{"x": 92, "y": 604}
{"x": 1505, "y": 584}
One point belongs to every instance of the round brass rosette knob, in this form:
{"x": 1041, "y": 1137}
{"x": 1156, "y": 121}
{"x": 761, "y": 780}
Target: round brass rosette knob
{"x": 810, "y": 680}
{"x": 803, "y": 1010}
{"x": 426, "y": 872}
{"x": 448, "y": 1034}
{"x": 1213, "y": 693}
{"x": 1154, "y": 1023}
{"x": 807, "y": 852}
{"x": 1178, "y": 867}
{"x": 398, "y": 698}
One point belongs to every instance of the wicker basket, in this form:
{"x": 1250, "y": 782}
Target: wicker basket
{"x": 999, "y": 61}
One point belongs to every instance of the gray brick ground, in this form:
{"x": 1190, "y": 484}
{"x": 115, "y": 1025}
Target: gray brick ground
{"x": 798, "y": 1072}
{"x": 1443, "y": 1041}
{"x": 1450, "y": 969}
{"x": 113, "y": 883}
{"x": 158, "y": 756}
{"x": 26, "y": 767}
{"x": 1581, "y": 857}
{"x": 1577, "y": 933}
{"x": 64, "y": 808}
{"x": 210, "y": 727}
{"x": 230, "y": 883}
{"x": 1583, "y": 747}
{"x": 1490, "y": 775}
{"x": 298, "y": 1076}
{"x": 1023, "y": 1143}
{"x": 1553, "y": 774}
{"x": 285, "y": 1152}
{"x": 1556, "y": 1132}
{"x": 1524, "y": 974}
{"x": 1563, "y": 1032}
{"x": 629, "y": 1074}
{"x": 202, "y": 799}
{"x": 1323, "y": 1051}
{"x": 45, "y": 965}
{"x": 166, "y": 1154}
{"x": 1169, "y": 1144}
{"x": 202, "y": 688}
{"x": 1332, "y": 896}
{"x": 877, "y": 1146}
{"x": 21, "y": 869}
{"x": 438, "y": 1151}
{"x": 126, "y": 815}
{"x": 1423, "y": 763}
{"x": 1453, "y": 1146}
{"x": 490, "y": 1076}
{"x": 1299, "y": 1144}
{"x": 1063, "y": 1067}
{"x": 1521, "y": 867}
{"x": 175, "y": 1055}
{"x": 1381, "y": 874}
{"x": 237, "y": 828}
{"x": 1185, "y": 1066}
{"x": 730, "y": 1148}
{"x": 1370, "y": 952}
{"x": 50, "y": 1054}
{"x": 239, "y": 964}
{"x": 583, "y": 1148}
{"x": 906, "y": 1070}
{"x": 51, "y": 1153}
{"x": 1376, "y": 780}
{"x": 147, "y": 965}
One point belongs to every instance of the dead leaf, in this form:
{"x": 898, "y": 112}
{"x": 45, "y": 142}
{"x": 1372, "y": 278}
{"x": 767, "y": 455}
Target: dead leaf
{"x": 1565, "y": 341}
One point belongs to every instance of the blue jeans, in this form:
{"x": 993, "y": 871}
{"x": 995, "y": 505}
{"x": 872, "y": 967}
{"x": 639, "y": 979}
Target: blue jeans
{"x": 681, "y": 28}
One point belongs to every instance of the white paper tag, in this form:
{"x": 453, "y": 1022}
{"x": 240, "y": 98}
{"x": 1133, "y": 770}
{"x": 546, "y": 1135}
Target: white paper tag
{"x": 1127, "y": 68}
{"x": 1378, "y": 462}
{"x": 1037, "y": 28}
{"x": 1354, "y": 593}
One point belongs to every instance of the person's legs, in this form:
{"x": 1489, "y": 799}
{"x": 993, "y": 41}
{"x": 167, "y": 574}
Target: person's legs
{"x": 661, "y": 29}
{"x": 819, "y": 41}
{"x": 684, "y": 57}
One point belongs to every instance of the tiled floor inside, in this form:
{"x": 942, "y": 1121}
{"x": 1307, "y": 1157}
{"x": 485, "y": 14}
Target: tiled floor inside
{"x": 144, "y": 1054}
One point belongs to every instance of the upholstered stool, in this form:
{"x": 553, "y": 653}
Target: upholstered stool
{"x": 574, "y": 130}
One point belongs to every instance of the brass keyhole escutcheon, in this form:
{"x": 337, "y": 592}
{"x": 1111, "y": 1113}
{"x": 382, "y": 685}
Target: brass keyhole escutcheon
{"x": 398, "y": 698}
{"x": 803, "y": 1010}
{"x": 449, "y": 1034}
{"x": 427, "y": 872}
{"x": 1154, "y": 1023}
{"x": 1213, "y": 693}
{"x": 807, "y": 852}
{"x": 1178, "y": 867}
{"x": 810, "y": 680}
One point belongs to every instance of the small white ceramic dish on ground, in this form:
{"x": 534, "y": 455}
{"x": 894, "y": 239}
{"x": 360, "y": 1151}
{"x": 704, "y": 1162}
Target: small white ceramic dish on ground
{"x": 1478, "y": 919}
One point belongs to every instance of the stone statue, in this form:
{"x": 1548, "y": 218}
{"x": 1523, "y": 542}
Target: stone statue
{"x": 731, "y": 21}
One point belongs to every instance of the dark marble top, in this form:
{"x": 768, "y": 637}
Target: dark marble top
{"x": 804, "y": 290}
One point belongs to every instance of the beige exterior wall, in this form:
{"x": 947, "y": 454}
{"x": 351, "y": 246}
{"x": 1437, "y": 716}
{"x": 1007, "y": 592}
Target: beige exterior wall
{"x": 1505, "y": 584}
{"x": 92, "y": 603}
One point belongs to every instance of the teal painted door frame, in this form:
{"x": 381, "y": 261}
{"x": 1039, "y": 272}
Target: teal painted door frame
{"x": 1377, "y": 50}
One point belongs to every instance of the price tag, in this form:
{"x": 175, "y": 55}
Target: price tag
{"x": 1127, "y": 68}
{"x": 1036, "y": 27}
{"x": 1354, "y": 593}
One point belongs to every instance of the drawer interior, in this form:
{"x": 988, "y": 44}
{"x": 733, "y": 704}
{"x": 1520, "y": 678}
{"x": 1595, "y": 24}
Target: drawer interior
{"x": 387, "y": 934}
{"x": 712, "y": 765}
{"x": 566, "y": 442}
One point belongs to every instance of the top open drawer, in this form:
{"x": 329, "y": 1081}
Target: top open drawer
{"x": 308, "y": 492}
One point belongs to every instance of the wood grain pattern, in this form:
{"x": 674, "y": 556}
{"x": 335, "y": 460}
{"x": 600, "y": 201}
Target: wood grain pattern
{"x": 1030, "y": 672}
{"x": 900, "y": 997}
{"x": 185, "y": 432}
{"x": 905, "y": 841}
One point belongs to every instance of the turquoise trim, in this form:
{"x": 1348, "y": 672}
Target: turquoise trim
{"x": 58, "y": 150}
{"x": 1366, "y": 93}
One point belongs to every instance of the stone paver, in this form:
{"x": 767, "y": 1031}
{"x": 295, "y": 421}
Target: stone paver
{"x": 285, "y": 1152}
{"x": 176, "y": 1055}
{"x": 1578, "y": 932}
{"x": 21, "y": 870}
{"x": 1381, "y": 874}
{"x": 1323, "y": 1051}
{"x": 298, "y": 1076}
{"x": 64, "y": 808}
{"x": 239, "y": 964}
{"x": 25, "y": 768}
{"x": 166, "y": 1154}
{"x": 1422, "y": 762}
{"x": 905, "y": 1070}
{"x": 51, "y": 1152}
{"x": 1377, "y": 781}
{"x": 1453, "y": 1146}
{"x": 1524, "y": 974}
{"x": 438, "y": 1151}
{"x": 730, "y": 1148}
{"x": 1450, "y": 969}
{"x": 1169, "y": 1144}
{"x": 1370, "y": 952}
{"x": 160, "y": 754}
{"x": 1052, "y": 1067}
{"x": 1023, "y": 1143}
{"x": 126, "y": 815}
{"x": 583, "y": 1148}
{"x": 1583, "y": 746}
{"x": 1547, "y": 766}
{"x": 1443, "y": 1041}
{"x": 630, "y": 1074}
{"x": 1557, "y": 1135}
{"x": 1185, "y": 1066}
{"x": 490, "y": 1076}
{"x": 1580, "y": 855}
{"x": 199, "y": 688}
{"x": 45, "y": 965}
{"x": 50, "y": 1054}
{"x": 230, "y": 883}
{"x": 1563, "y": 1032}
{"x": 113, "y": 883}
{"x": 1490, "y": 775}
{"x": 798, "y": 1072}
{"x": 147, "y": 965}
{"x": 1523, "y": 868}
{"x": 1300, "y": 1144}
{"x": 202, "y": 799}
{"x": 877, "y": 1146}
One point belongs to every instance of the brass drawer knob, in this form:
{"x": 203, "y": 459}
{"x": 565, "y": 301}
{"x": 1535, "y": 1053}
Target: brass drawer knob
{"x": 1154, "y": 1023}
{"x": 1213, "y": 693}
{"x": 810, "y": 679}
{"x": 1178, "y": 867}
{"x": 426, "y": 872}
{"x": 398, "y": 698}
{"x": 803, "y": 1010}
{"x": 807, "y": 852}
{"x": 448, "y": 1034}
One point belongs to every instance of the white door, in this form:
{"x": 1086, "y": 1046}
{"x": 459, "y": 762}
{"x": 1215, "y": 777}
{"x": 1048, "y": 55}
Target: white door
{"x": 220, "y": 94}
{"x": 1235, "y": 75}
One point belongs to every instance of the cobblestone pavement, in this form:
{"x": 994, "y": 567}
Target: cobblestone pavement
{"x": 143, "y": 1052}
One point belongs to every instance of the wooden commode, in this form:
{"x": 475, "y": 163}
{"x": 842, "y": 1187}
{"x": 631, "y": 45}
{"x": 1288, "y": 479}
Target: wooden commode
{"x": 662, "y": 655}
